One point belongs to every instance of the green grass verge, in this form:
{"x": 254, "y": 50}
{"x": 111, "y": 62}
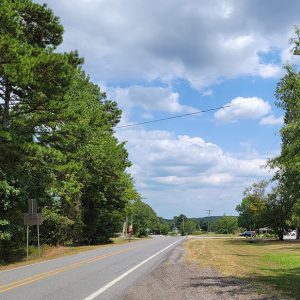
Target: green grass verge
{"x": 273, "y": 267}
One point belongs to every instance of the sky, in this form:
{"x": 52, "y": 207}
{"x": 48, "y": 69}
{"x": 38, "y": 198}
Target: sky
{"x": 166, "y": 58}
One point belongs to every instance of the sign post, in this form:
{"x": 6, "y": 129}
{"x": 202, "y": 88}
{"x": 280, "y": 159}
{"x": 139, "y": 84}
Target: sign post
{"x": 130, "y": 232}
{"x": 38, "y": 239}
{"x": 27, "y": 241}
{"x": 33, "y": 218}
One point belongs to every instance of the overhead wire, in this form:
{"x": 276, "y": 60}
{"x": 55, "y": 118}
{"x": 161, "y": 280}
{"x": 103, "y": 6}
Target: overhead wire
{"x": 183, "y": 115}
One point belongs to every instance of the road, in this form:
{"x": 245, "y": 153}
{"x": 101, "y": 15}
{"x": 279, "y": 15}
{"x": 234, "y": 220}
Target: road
{"x": 98, "y": 274}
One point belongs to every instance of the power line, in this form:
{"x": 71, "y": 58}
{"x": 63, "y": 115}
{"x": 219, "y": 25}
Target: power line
{"x": 183, "y": 115}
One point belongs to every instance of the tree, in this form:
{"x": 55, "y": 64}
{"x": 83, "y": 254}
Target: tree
{"x": 226, "y": 225}
{"x": 277, "y": 211}
{"x": 144, "y": 218}
{"x": 178, "y": 220}
{"x": 288, "y": 162}
{"x": 295, "y": 219}
{"x": 252, "y": 205}
{"x": 33, "y": 78}
{"x": 57, "y": 142}
{"x": 190, "y": 226}
{"x": 164, "y": 226}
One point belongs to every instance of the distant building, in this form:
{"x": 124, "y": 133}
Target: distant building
{"x": 264, "y": 230}
{"x": 175, "y": 230}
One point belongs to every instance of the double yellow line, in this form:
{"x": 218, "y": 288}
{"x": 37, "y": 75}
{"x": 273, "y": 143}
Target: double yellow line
{"x": 40, "y": 276}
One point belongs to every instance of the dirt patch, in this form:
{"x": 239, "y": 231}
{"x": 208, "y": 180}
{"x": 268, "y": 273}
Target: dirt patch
{"x": 175, "y": 279}
{"x": 53, "y": 251}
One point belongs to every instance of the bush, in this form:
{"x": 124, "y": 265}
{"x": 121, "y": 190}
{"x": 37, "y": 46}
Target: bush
{"x": 171, "y": 233}
{"x": 198, "y": 232}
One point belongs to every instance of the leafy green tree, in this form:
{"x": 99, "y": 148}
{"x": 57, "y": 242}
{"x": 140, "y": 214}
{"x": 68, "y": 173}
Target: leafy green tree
{"x": 91, "y": 180}
{"x": 57, "y": 227}
{"x": 295, "y": 219}
{"x": 190, "y": 226}
{"x": 57, "y": 142}
{"x": 33, "y": 78}
{"x": 164, "y": 226}
{"x": 278, "y": 211}
{"x": 288, "y": 162}
{"x": 226, "y": 225}
{"x": 178, "y": 220}
{"x": 144, "y": 218}
{"x": 251, "y": 208}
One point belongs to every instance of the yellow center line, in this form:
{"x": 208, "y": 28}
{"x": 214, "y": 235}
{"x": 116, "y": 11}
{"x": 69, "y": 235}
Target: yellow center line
{"x": 40, "y": 276}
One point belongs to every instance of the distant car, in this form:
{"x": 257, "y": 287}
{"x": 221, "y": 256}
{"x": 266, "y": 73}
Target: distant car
{"x": 248, "y": 233}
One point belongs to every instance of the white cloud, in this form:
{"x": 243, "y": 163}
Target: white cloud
{"x": 200, "y": 41}
{"x": 151, "y": 99}
{"x": 182, "y": 173}
{"x": 271, "y": 120}
{"x": 241, "y": 108}
{"x": 269, "y": 70}
{"x": 287, "y": 56}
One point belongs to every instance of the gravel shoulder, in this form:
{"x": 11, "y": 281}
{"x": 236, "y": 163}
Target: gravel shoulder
{"x": 176, "y": 279}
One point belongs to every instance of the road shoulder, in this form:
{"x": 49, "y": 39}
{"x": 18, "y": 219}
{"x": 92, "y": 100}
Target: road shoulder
{"x": 176, "y": 279}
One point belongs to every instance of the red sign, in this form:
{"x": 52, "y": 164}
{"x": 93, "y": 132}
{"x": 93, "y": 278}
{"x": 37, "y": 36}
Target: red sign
{"x": 130, "y": 229}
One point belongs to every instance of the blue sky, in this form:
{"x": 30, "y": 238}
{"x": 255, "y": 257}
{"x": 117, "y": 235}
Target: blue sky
{"x": 171, "y": 57}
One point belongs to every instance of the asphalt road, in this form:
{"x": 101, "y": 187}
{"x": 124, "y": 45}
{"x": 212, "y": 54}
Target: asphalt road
{"x": 99, "y": 274}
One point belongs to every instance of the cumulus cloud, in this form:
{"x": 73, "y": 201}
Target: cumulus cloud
{"x": 200, "y": 41}
{"x": 179, "y": 168}
{"x": 151, "y": 99}
{"x": 241, "y": 108}
{"x": 271, "y": 120}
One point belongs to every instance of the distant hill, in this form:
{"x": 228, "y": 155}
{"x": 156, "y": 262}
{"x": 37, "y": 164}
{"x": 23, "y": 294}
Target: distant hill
{"x": 199, "y": 220}
{"x": 204, "y": 219}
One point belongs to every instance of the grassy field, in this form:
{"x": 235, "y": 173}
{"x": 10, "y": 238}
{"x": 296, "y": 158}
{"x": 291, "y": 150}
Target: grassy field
{"x": 51, "y": 252}
{"x": 213, "y": 234}
{"x": 273, "y": 267}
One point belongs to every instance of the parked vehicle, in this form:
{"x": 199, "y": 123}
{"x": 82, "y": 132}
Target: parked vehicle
{"x": 248, "y": 233}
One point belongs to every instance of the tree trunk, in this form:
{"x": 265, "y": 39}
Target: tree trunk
{"x": 280, "y": 236}
{"x": 298, "y": 233}
{"x": 6, "y": 106}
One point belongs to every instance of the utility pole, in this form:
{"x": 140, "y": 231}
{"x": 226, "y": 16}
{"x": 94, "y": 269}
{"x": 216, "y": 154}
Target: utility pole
{"x": 209, "y": 211}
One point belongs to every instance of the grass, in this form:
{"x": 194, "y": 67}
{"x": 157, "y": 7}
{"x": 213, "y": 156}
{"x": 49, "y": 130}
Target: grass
{"x": 213, "y": 234}
{"x": 51, "y": 252}
{"x": 271, "y": 266}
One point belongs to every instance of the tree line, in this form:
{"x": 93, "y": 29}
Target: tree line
{"x": 276, "y": 203}
{"x": 218, "y": 224}
{"x": 57, "y": 142}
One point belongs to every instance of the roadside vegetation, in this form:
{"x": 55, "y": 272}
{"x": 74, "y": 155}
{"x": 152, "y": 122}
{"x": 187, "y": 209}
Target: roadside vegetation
{"x": 272, "y": 267}
{"x": 208, "y": 225}
{"x": 57, "y": 142}
{"x": 276, "y": 204}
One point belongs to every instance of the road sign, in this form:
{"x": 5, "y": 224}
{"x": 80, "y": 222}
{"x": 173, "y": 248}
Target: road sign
{"x": 33, "y": 219}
